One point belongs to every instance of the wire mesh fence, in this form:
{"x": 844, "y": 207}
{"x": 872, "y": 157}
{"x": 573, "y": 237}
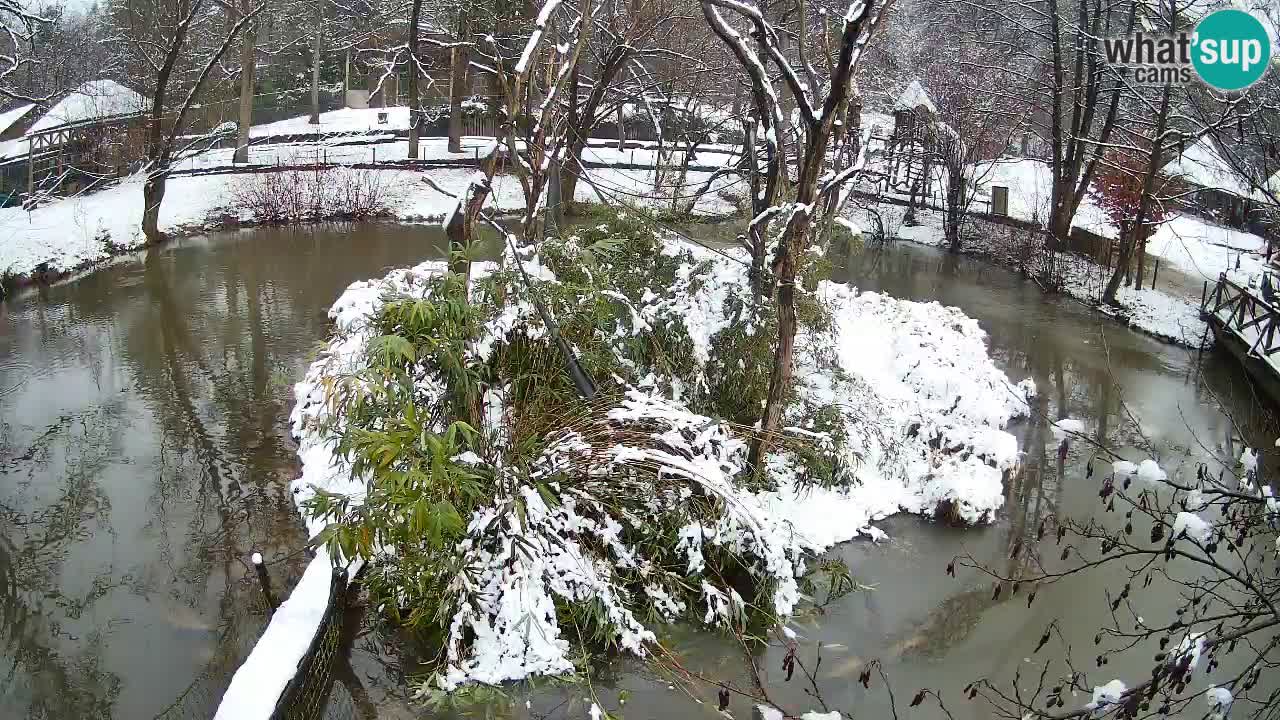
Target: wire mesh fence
{"x": 308, "y": 692}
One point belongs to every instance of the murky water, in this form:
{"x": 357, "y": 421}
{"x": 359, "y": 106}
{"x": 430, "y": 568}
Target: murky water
{"x": 144, "y": 454}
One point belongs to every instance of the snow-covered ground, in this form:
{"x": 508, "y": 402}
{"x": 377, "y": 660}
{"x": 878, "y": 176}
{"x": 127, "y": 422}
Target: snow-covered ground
{"x": 69, "y": 234}
{"x": 1203, "y": 250}
{"x": 921, "y": 369}
{"x": 1158, "y": 312}
{"x": 72, "y": 233}
{"x": 1030, "y": 184}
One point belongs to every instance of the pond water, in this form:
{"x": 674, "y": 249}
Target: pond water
{"x": 145, "y": 453}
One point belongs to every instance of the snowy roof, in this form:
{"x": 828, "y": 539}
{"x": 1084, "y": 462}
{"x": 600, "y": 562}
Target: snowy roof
{"x": 9, "y": 117}
{"x": 94, "y": 101}
{"x": 913, "y": 97}
{"x": 1202, "y": 165}
{"x": 1271, "y": 192}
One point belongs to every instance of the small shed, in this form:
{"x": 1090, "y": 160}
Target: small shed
{"x": 87, "y": 135}
{"x": 915, "y": 148}
{"x": 913, "y": 109}
{"x": 15, "y": 121}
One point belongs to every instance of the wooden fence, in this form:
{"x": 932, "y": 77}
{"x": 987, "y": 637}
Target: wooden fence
{"x": 1235, "y": 309}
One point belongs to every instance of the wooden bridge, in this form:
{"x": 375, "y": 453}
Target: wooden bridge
{"x": 1245, "y": 324}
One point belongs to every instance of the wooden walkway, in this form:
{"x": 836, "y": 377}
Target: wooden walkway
{"x": 1246, "y": 325}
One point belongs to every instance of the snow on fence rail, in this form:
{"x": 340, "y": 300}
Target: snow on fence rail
{"x": 287, "y": 675}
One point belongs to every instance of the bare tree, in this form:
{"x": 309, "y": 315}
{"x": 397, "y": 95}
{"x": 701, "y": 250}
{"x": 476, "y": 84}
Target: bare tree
{"x": 415, "y": 101}
{"x": 819, "y": 114}
{"x": 315, "y": 63}
{"x": 533, "y": 136}
{"x": 628, "y": 33}
{"x": 173, "y": 48}
{"x": 18, "y": 23}
{"x": 248, "y": 66}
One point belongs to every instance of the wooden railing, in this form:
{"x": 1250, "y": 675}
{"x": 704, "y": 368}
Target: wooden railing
{"x": 1235, "y": 308}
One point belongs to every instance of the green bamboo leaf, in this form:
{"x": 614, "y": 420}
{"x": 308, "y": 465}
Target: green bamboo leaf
{"x": 548, "y": 497}
{"x": 394, "y": 346}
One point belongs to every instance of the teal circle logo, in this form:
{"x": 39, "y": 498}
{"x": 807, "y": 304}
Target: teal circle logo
{"x": 1231, "y": 50}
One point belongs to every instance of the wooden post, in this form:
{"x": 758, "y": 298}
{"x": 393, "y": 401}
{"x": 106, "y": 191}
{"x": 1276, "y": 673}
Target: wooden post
{"x": 31, "y": 169}
{"x": 265, "y": 581}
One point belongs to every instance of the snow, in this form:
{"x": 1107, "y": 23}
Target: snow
{"x": 263, "y": 675}
{"x": 1064, "y": 428}
{"x": 1124, "y": 467}
{"x": 94, "y": 101}
{"x": 1219, "y": 701}
{"x": 768, "y": 712}
{"x": 362, "y": 121}
{"x": 1030, "y": 184}
{"x": 850, "y": 225}
{"x": 913, "y": 96}
{"x": 813, "y": 715}
{"x": 1190, "y": 649}
{"x": 1249, "y": 459}
{"x": 1150, "y": 471}
{"x": 1159, "y": 312}
{"x": 1202, "y": 165}
{"x": 1105, "y": 695}
{"x": 70, "y": 233}
{"x": 13, "y": 115}
{"x": 1196, "y": 527}
{"x": 1195, "y": 246}
{"x": 1203, "y": 249}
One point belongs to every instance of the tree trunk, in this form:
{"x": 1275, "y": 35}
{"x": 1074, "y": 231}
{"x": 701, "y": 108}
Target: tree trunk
{"x": 457, "y": 88}
{"x": 1140, "y": 251}
{"x": 1123, "y": 260}
{"x": 953, "y": 215}
{"x": 248, "y": 66}
{"x": 415, "y": 104}
{"x": 783, "y": 361}
{"x": 152, "y": 197}
{"x": 461, "y": 226}
{"x": 571, "y": 172}
{"x": 315, "y": 67}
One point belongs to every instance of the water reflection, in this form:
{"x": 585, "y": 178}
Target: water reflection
{"x": 144, "y": 453}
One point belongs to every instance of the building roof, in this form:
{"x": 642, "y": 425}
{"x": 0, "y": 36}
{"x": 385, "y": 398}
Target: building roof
{"x": 11, "y": 116}
{"x": 92, "y": 102}
{"x": 1202, "y": 165}
{"x": 913, "y": 97}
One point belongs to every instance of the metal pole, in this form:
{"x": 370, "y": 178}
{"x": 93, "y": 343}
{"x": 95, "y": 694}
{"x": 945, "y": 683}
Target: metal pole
{"x": 265, "y": 581}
